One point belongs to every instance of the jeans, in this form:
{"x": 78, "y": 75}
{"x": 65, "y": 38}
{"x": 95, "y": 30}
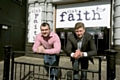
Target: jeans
{"x": 51, "y": 60}
{"x": 76, "y": 66}
{"x": 84, "y": 65}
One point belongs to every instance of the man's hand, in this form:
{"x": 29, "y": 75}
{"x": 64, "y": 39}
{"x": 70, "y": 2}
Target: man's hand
{"x": 77, "y": 54}
{"x": 41, "y": 49}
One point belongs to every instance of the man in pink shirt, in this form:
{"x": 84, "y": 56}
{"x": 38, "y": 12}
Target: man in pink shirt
{"x": 48, "y": 42}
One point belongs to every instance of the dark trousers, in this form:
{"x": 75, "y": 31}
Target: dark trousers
{"x": 84, "y": 65}
{"x": 52, "y": 72}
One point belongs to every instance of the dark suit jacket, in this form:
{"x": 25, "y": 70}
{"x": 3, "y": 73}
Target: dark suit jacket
{"x": 88, "y": 44}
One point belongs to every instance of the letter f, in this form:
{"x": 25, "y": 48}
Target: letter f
{"x": 62, "y": 15}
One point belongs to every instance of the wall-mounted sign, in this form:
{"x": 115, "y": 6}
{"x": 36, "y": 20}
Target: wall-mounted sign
{"x": 91, "y": 15}
{"x": 4, "y": 27}
{"x": 34, "y": 23}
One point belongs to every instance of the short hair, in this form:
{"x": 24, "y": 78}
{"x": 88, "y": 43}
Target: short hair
{"x": 79, "y": 25}
{"x": 45, "y": 24}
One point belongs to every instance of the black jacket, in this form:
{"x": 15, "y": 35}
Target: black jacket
{"x": 88, "y": 44}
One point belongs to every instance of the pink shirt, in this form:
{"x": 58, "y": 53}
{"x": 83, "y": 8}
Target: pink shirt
{"x": 52, "y": 44}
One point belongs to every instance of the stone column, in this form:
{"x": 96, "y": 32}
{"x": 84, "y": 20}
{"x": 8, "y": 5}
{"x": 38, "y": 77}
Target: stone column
{"x": 116, "y": 28}
{"x": 50, "y": 15}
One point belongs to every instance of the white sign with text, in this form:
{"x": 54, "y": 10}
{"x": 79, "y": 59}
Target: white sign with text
{"x": 91, "y": 16}
{"x": 34, "y": 24}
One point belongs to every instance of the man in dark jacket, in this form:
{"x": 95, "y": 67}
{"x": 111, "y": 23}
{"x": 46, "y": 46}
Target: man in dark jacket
{"x": 80, "y": 47}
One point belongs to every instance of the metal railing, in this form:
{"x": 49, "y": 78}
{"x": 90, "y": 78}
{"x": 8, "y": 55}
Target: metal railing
{"x": 32, "y": 71}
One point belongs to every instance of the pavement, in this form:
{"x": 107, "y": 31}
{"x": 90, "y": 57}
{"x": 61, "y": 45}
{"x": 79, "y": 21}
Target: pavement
{"x": 65, "y": 62}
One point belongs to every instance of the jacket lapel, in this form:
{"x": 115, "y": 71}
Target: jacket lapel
{"x": 83, "y": 42}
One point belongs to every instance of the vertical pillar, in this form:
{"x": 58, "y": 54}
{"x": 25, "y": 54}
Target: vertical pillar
{"x": 43, "y": 12}
{"x": 116, "y": 28}
{"x": 111, "y": 64}
{"x": 7, "y": 52}
{"x": 116, "y": 22}
{"x": 49, "y": 14}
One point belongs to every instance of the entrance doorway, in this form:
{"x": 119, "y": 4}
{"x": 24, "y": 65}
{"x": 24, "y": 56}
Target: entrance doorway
{"x": 5, "y": 38}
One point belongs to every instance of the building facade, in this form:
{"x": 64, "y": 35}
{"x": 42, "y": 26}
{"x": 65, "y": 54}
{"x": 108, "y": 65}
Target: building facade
{"x": 101, "y": 18}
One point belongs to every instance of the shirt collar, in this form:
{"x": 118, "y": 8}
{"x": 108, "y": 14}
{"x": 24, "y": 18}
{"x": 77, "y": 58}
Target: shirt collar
{"x": 80, "y": 39}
